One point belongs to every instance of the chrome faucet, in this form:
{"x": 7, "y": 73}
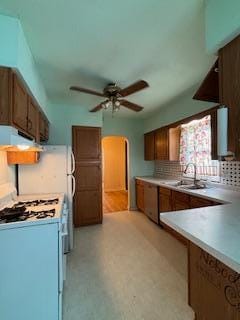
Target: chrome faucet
{"x": 195, "y": 171}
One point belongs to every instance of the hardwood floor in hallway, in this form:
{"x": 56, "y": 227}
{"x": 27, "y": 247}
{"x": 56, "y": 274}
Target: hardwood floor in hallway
{"x": 115, "y": 201}
{"x": 126, "y": 269}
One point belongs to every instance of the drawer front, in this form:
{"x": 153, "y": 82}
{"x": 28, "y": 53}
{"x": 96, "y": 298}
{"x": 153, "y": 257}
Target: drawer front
{"x": 165, "y": 191}
{"x": 183, "y": 197}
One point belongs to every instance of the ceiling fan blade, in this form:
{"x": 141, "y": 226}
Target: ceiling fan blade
{"x": 97, "y": 108}
{"x": 89, "y": 91}
{"x": 131, "y": 106}
{"x": 135, "y": 87}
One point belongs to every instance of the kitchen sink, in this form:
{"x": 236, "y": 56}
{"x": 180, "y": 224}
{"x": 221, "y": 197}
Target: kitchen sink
{"x": 192, "y": 187}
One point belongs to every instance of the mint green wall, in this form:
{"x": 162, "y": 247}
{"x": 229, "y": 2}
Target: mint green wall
{"x": 63, "y": 117}
{"x": 132, "y": 129}
{"x": 178, "y": 109}
{"x": 15, "y": 53}
{"x": 222, "y": 22}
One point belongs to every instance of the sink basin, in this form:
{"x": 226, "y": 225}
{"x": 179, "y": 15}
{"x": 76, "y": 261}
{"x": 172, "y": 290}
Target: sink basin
{"x": 193, "y": 187}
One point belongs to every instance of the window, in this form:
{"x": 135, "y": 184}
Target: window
{"x": 195, "y": 146}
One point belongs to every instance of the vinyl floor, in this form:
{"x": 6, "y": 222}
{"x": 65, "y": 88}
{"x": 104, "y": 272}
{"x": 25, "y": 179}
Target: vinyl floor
{"x": 126, "y": 269}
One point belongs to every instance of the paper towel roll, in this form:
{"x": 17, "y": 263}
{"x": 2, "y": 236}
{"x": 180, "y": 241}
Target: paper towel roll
{"x": 222, "y": 131}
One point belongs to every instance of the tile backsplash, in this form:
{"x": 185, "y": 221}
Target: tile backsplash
{"x": 229, "y": 171}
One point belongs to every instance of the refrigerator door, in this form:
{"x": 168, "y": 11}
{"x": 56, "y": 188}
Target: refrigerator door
{"x": 49, "y": 175}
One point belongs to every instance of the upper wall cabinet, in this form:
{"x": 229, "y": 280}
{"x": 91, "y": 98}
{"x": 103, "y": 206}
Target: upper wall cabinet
{"x": 19, "y": 109}
{"x": 209, "y": 89}
{"x": 149, "y": 146}
{"x": 229, "y": 79}
{"x": 162, "y": 144}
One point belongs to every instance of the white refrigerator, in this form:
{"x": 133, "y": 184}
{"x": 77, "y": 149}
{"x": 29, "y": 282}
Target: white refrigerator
{"x": 52, "y": 174}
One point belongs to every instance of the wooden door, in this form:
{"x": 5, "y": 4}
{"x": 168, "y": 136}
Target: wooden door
{"x": 5, "y": 95}
{"x": 161, "y": 144}
{"x": 196, "y": 202}
{"x": 32, "y": 118}
{"x": 229, "y": 80}
{"x": 149, "y": 146}
{"x": 43, "y": 127}
{"x": 20, "y": 104}
{"x": 151, "y": 202}
{"x": 88, "y": 175}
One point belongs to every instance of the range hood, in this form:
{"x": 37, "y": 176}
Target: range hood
{"x": 11, "y": 140}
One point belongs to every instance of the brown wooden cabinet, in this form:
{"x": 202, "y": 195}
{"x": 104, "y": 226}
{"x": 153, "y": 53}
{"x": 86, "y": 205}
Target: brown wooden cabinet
{"x": 140, "y": 194}
{"x": 43, "y": 127}
{"x": 20, "y": 104}
{"x": 151, "y": 201}
{"x": 88, "y": 175}
{"x": 162, "y": 144}
{"x": 5, "y": 95}
{"x": 165, "y": 199}
{"x": 149, "y": 146}
{"x": 180, "y": 201}
{"x": 213, "y": 287}
{"x": 229, "y": 76}
{"x": 196, "y": 202}
{"x": 32, "y": 119}
{"x": 209, "y": 89}
{"x": 18, "y": 107}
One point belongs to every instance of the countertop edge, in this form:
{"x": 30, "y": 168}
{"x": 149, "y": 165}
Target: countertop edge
{"x": 215, "y": 253}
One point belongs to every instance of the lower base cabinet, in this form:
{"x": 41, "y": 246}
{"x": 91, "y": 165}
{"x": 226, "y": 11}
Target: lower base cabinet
{"x": 213, "y": 287}
{"x": 140, "y": 195}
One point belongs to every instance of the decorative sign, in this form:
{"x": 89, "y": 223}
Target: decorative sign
{"x": 221, "y": 277}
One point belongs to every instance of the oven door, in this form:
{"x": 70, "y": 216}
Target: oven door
{"x": 63, "y": 233}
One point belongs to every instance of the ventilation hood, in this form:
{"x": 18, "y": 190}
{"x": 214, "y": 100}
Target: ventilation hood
{"x": 11, "y": 140}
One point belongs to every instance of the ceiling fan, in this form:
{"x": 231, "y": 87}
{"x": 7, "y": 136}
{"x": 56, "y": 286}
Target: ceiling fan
{"x": 114, "y": 95}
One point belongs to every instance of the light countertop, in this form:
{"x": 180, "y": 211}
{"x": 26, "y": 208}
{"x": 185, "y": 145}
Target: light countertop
{"x": 214, "y": 193}
{"x": 215, "y": 229}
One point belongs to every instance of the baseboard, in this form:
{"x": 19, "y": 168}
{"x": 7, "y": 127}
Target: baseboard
{"x": 112, "y": 190}
{"x": 133, "y": 209}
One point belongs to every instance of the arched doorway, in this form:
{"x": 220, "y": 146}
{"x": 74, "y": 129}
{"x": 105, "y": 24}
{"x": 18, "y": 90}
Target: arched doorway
{"x": 115, "y": 175}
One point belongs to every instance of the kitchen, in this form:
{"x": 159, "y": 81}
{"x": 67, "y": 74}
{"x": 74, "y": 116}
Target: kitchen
{"x": 177, "y": 240}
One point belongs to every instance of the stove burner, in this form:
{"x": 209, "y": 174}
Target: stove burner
{"x": 14, "y": 214}
{"x": 44, "y": 214}
{"x": 40, "y": 202}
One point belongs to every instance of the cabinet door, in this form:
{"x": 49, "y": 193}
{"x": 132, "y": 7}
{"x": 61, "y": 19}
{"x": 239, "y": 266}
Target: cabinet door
{"x": 229, "y": 66}
{"x": 196, "y": 202}
{"x": 32, "y": 118}
{"x": 88, "y": 142}
{"x": 151, "y": 201}
{"x": 5, "y": 95}
{"x": 20, "y": 104}
{"x": 43, "y": 128}
{"x": 165, "y": 203}
{"x": 88, "y": 196}
{"x": 179, "y": 205}
{"x": 161, "y": 144}
{"x": 149, "y": 146}
{"x": 140, "y": 197}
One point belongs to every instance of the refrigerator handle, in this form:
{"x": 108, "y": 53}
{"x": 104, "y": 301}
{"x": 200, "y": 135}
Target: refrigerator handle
{"x": 73, "y": 162}
{"x": 73, "y": 185}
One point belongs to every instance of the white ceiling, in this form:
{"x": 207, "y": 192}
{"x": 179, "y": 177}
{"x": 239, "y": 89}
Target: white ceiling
{"x": 93, "y": 42}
